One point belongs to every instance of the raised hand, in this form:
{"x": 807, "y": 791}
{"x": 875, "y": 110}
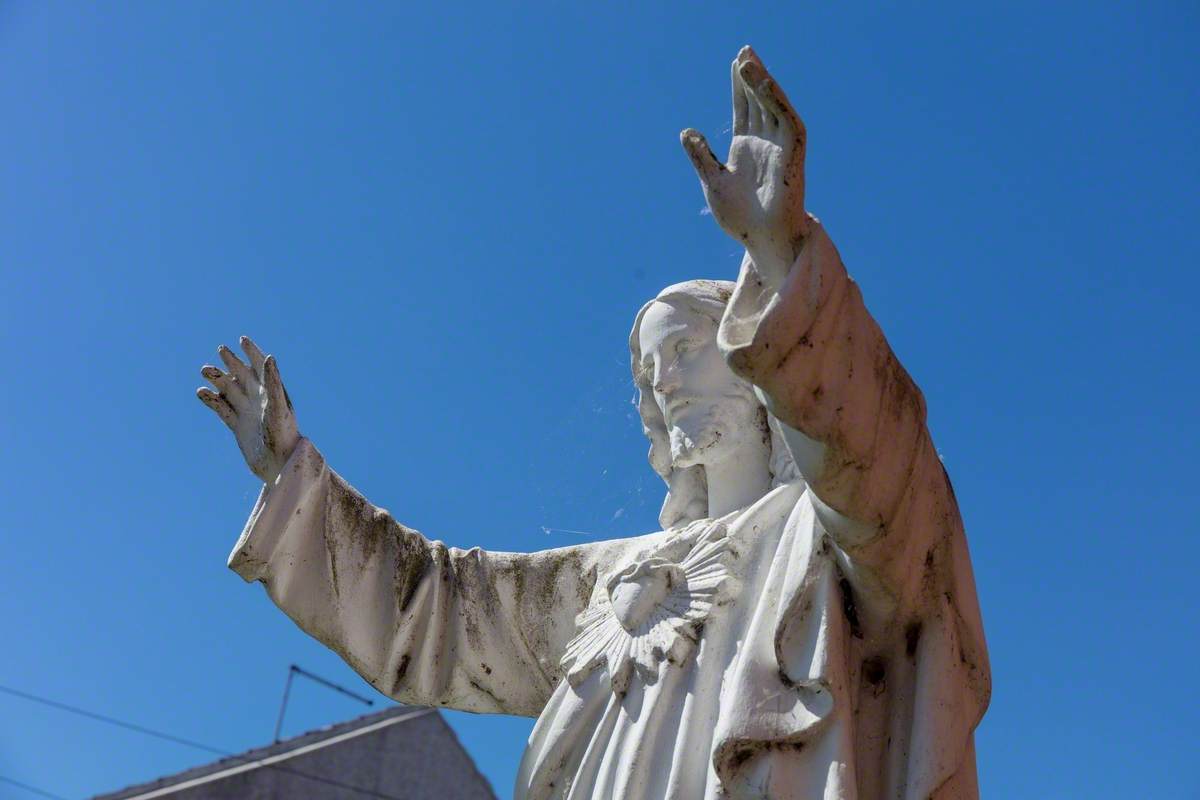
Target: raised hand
{"x": 251, "y": 400}
{"x": 758, "y": 195}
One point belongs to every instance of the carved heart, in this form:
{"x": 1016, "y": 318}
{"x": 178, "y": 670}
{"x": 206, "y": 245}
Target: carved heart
{"x": 639, "y": 589}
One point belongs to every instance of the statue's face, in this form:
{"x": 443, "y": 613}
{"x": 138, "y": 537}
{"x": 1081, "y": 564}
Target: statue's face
{"x": 709, "y": 411}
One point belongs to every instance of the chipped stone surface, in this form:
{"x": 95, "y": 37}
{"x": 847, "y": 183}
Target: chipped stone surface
{"x": 805, "y": 624}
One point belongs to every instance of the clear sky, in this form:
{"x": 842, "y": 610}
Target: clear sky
{"x": 442, "y": 220}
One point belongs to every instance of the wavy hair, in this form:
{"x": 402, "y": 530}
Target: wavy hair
{"x": 687, "y": 487}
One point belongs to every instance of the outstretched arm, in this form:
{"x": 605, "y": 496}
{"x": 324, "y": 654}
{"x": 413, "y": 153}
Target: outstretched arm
{"x": 797, "y": 327}
{"x": 422, "y": 622}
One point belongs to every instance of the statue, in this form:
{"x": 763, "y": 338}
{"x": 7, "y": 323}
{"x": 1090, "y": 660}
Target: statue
{"x": 805, "y": 625}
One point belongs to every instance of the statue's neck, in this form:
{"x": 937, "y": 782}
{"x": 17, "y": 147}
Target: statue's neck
{"x": 737, "y": 481}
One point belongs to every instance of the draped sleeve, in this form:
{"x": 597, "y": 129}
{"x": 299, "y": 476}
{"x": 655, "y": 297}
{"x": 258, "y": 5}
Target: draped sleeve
{"x": 914, "y": 668}
{"x": 424, "y": 623}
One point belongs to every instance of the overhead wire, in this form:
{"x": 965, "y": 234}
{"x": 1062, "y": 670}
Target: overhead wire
{"x": 29, "y": 788}
{"x": 112, "y": 721}
{"x": 175, "y": 739}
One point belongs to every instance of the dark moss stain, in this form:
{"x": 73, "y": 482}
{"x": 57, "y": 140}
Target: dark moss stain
{"x": 874, "y": 671}
{"x": 413, "y": 562}
{"x": 475, "y": 587}
{"x": 912, "y": 635}
{"x": 743, "y": 754}
{"x": 402, "y": 670}
{"x": 519, "y": 585}
{"x": 572, "y": 563}
{"x": 740, "y": 757}
{"x": 849, "y": 607}
{"x": 484, "y": 690}
{"x": 331, "y": 551}
{"x": 587, "y": 583}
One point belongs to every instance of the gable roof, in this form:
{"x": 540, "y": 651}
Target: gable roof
{"x": 282, "y": 756}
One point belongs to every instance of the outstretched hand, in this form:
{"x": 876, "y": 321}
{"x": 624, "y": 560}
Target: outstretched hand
{"x": 251, "y": 400}
{"x": 757, "y": 196}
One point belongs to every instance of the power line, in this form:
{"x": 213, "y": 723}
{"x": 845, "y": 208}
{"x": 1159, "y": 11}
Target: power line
{"x": 33, "y": 698}
{"x": 29, "y": 788}
{"x": 112, "y": 721}
{"x": 293, "y": 671}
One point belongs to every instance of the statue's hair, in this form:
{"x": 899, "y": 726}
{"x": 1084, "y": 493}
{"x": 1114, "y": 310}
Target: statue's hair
{"x": 687, "y": 488}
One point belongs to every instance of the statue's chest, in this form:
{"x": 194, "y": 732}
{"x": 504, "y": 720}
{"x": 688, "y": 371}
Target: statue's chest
{"x": 648, "y": 614}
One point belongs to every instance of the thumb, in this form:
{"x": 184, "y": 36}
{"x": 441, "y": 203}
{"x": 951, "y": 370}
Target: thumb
{"x": 696, "y": 146}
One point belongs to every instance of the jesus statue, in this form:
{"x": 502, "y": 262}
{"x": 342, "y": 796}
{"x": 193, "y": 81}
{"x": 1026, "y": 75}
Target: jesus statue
{"x": 805, "y": 624}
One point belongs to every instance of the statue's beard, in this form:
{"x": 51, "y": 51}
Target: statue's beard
{"x": 707, "y": 435}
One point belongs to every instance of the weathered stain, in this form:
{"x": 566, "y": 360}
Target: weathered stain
{"x": 912, "y": 635}
{"x": 743, "y": 754}
{"x": 484, "y": 690}
{"x": 874, "y": 670}
{"x": 740, "y": 757}
{"x": 587, "y": 583}
{"x": 348, "y": 512}
{"x": 402, "y": 669}
{"x": 476, "y": 585}
{"x": 413, "y": 562}
{"x": 849, "y": 607}
{"x": 331, "y": 551}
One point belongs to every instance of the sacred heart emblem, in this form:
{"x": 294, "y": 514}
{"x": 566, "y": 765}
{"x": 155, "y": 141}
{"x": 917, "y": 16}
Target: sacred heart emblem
{"x": 652, "y": 611}
{"x": 636, "y": 591}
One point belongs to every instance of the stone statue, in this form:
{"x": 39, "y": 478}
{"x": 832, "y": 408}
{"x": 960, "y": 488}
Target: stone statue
{"x": 805, "y": 625}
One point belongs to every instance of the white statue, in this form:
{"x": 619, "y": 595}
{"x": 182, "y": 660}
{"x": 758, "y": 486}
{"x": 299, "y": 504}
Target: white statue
{"x": 804, "y": 626}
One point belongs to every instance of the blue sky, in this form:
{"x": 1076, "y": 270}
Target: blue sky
{"x": 442, "y": 221}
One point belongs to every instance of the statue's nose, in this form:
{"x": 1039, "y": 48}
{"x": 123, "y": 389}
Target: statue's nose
{"x": 666, "y": 378}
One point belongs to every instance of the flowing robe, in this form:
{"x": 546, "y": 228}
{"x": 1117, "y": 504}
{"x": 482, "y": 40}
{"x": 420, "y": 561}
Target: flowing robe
{"x": 823, "y": 642}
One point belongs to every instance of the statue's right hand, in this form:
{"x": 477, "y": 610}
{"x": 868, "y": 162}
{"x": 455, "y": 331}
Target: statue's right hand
{"x": 251, "y": 400}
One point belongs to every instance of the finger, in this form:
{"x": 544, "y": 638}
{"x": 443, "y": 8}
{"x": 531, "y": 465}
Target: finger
{"x": 751, "y": 73}
{"x": 707, "y": 166}
{"x": 278, "y": 404}
{"x": 747, "y": 54}
{"x": 754, "y": 110}
{"x": 772, "y": 98}
{"x": 218, "y": 404}
{"x": 224, "y": 383}
{"x": 236, "y": 368}
{"x": 254, "y": 354}
{"x": 740, "y": 107}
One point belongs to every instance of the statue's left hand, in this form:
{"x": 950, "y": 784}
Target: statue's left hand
{"x": 251, "y": 400}
{"x": 758, "y": 195}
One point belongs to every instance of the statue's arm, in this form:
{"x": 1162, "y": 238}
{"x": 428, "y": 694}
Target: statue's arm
{"x": 422, "y": 622}
{"x": 797, "y": 327}
{"x": 851, "y": 414}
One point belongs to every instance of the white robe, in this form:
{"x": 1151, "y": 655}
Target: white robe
{"x": 789, "y": 655}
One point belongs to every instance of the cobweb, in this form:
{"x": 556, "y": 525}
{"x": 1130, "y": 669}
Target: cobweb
{"x": 589, "y": 469}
